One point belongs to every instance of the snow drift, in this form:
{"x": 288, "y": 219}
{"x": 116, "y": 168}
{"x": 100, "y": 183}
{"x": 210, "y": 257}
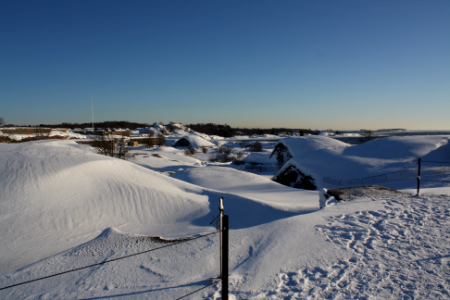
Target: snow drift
{"x": 57, "y": 194}
{"x": 372, "y": 158}
{"x": 293, "y": 147}
{"x": 193, "y": 141}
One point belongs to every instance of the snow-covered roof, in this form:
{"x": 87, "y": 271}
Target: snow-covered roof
{"x": 202, "y": 135}
{"x": 300, "y": 145}
{"x": 196, "y": 141}
{"x": 260, "y": 157}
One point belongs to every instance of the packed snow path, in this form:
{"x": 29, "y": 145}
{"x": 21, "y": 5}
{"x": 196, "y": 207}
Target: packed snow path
{"x": 400, "y": 252}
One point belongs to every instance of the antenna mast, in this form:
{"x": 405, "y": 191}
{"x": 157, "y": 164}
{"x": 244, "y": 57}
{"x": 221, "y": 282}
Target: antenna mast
{"x": 92, "y": 114}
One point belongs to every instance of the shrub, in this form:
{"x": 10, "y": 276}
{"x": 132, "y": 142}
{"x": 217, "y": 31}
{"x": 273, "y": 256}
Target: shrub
{"x": 222, "y": 158}
{"x": 149, "y": 141}
{"x": 239, "y": 155}
{"x": 205, "y": 149}
{"x": 108, "y": 145}
{"x": 189, "y": 151}
{"x": 256, "y": 147}
{"x": 224, "y": 149}
{"x": 227, "y": 150}
{"x": 367, "y": 136}
{"x": 39, "y": 131}
{"x": 5, "y": 139}
{"x": 58, "y": 137}
{"x": 161, "y": 140}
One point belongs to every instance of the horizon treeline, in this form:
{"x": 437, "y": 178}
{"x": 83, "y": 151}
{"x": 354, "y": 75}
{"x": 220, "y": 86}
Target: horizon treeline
{"x": 228, "y": 131}
{"x": 224, "y": 130}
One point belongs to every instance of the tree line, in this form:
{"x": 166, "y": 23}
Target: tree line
{"x": 228, "y": 131}
{"x": 224, "y": 130}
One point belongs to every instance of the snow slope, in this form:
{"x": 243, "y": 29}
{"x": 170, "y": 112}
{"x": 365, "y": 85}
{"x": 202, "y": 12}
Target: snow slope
{"x": 372, "y": 158}
{"x": 251, "y": 186}
{"x": 63, "y": 207}
{"x": 197, "y": 141}
{"x": 300, "y": 145}
{"x": 56, "y": 195}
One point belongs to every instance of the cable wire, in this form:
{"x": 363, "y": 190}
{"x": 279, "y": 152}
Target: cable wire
{"x": 108, "y": 261}
{"x": 437, "y": 180}
{"x": 195, "y": 291}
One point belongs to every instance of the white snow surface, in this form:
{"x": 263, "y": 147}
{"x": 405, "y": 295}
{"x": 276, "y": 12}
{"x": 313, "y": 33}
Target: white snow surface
{"x": 64, "y": 207}
{"x": 300, "y": 145}
{"x": 261, "y": 157}
{"x": 371, "y": 158}
{"x": 197, "y": 141}
{"x": 67, "y": 134}
{"x": 251, "y": 186}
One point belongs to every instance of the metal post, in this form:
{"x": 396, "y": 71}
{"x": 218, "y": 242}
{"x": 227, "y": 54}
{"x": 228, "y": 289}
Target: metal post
{"x": 418, "y": 179}
{"x": 225, "y": 258}
{"x": 221, "y": 208}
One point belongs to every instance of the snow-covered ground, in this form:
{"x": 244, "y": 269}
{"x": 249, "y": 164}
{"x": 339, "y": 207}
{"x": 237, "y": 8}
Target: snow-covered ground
{"x": 63, "y": 207}
{"x": 376, "y": 157}
{"x": 64, "y": 134}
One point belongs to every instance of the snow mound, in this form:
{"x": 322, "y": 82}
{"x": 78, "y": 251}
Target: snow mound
{"x": 300, "y": 145}
{"x": 252, "y": 186}
{"x": 260, "y": 157}
{"x": 197, "y": 141}
{"x": 376, "y": 157}
{"x": 56, "y": 195}
{"x": 352, "y": 193}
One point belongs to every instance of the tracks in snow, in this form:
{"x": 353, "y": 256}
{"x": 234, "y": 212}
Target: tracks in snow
{"x": 400, "y": 252}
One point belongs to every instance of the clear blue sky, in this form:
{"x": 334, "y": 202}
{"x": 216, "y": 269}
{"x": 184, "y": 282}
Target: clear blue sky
{"x": 299, "y": 64}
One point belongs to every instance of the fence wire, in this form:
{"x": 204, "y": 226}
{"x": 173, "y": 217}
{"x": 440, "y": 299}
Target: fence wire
{"x": 198, "y": 290}
{"x": 260, "y": 168}
{"x": 406, "y": 174}
{"x": 108, "y": 261}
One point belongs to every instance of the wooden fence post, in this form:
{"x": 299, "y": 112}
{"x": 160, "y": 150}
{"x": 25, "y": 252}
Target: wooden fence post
{"x": 221, "y": 208}
{"x": 418, "y": 179}
{"x": 224, "y": 234}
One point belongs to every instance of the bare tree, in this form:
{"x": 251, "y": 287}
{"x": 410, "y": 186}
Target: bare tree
{"x": 150, "y": 141}
{"x": 367, "y": 136}
{"x": 122, "y": 147}
{"x": 161, "y": 140}
{"x": 109, "y": 145}
{"x": 42, "y": 133}
{"x": 104, "y": 144}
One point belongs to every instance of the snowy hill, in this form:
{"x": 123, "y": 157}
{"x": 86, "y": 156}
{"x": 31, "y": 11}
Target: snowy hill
{"x": 64, "y": 207}
{"x": 294, "y": 147}
{"x": 56, "y": 195}
{"x": 371, "y": 158}
{"x": 196, "y": 141}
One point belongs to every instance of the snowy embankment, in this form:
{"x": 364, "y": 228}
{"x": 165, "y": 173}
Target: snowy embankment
{"x": 63, "y": 207}
{"x": 372, "y": 158}
{"x": 55, "y": 134}
{"x": 252, "y": 186}
{"x": 57, "y": 195}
